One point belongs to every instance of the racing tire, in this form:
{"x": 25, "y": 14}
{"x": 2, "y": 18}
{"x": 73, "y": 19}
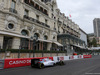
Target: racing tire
{"x": 41, "y": 66}
{"x": 53, "y": 64}
{"x": 61, "y": 63}
{"x": 32, "y": 65}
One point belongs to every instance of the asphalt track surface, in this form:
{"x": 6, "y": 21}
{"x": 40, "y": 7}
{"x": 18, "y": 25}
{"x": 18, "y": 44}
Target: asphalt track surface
{"x": 89, "y": 66}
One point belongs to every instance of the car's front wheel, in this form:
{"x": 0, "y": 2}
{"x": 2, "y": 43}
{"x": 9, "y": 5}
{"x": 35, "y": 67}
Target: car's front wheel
{"x": 61, "y": 63}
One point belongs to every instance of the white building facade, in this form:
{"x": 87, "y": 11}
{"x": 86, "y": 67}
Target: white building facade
{"x": 33, "y": 24}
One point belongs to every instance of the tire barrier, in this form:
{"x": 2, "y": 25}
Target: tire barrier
{"x": 1, "y": 64}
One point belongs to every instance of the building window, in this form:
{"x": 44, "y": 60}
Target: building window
{"x": 13, "y": 4}
{"x": 42, "y": 0}
{"x": 36, "y": 35}
{"x": 45, "y": 12}
{"x": 46, "y": 21}
{"x": 41, "y": 9}
{"x": 26, "y": 12}
{"x": 37, "y": 17}
{"x": 24, "y": 32}
{"x": 37, "y": 6}
{"x": 54, "y": 37}
{"x": 52, "y": 8}
{"x": 63, "y": 31}
{"x": 52, "y": 15}
{"x": 10, "y": 26}
{"x": 45, "y": 37}
{"x": 54, "y": 25}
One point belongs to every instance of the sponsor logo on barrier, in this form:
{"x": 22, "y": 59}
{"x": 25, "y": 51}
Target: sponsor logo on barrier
{"x": 19, "y": 62}
{"x": 61, "y": 58}
{"x": 11, "y": 63}
{"x": 80, "y": 56}
{"x": 71, "y": 57}
{"x": 87, "y": 56}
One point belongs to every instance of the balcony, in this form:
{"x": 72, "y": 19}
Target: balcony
{"x": 47, "y": 25}
{"x": 59, "y": 22}
{"x": 36, "y": 21}
{"x": 36, "y": 6}
{"x": 13, "y": 10}
{"x": 64, "y": 24}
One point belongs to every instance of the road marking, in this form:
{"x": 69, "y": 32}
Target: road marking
{"x": 92, "y": 73}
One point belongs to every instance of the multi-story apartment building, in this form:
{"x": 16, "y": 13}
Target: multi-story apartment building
{"x": 96, "y": 23}
{"x": 83, "y": 36}
{"x": 35, "y": 24}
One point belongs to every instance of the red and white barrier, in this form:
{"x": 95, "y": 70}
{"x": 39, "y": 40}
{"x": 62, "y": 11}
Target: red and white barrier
{"x": 63, "y": 58}
{"x": 11, "y": 63}
{"x": 56, "y": 58}
{"x": 87, "y": 56}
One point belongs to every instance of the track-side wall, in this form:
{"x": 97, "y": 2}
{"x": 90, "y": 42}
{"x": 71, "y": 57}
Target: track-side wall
{"x": 12, "y": 63}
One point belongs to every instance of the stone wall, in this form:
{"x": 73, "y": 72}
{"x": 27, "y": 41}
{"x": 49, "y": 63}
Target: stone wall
{"x": 29, "y": 55}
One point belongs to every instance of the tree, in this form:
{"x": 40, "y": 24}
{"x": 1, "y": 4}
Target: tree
{"x": 94, "y": 42}
{"x": 89, "y": 42}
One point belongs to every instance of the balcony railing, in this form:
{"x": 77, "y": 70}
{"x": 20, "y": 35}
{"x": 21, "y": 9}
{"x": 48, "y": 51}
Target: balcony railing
{"x": 12, "y": 10}
{"x": 64, "y": 24}
{"x": 59, "y": 22}
{"x": 36, "y": 21}
{"x": 36, "y": 7}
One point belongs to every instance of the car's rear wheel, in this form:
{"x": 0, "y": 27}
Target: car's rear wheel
{"x": 41, "y": 65}
{"x": 32, "y": 65}
{"x": 53, "y": 64}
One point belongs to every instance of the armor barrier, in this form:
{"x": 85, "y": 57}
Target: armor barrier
{"x": 1, "y": 64}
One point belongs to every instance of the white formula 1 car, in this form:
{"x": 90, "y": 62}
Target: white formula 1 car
{"x": 41, "y": 63}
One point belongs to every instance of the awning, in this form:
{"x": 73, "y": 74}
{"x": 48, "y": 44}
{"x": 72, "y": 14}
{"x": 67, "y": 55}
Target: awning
{"x": 12, "y": 34}
{"x": 45, "y": 40}
{"x": 58, "y": 43}
{"x": 79, "y": 46}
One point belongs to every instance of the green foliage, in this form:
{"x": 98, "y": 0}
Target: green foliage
{"x": 94, "y": 42}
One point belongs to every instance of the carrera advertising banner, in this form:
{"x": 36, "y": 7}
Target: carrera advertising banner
{"x": 11, "y": 63}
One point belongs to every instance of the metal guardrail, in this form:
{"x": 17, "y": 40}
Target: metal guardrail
{"x": 1, "y": 64}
